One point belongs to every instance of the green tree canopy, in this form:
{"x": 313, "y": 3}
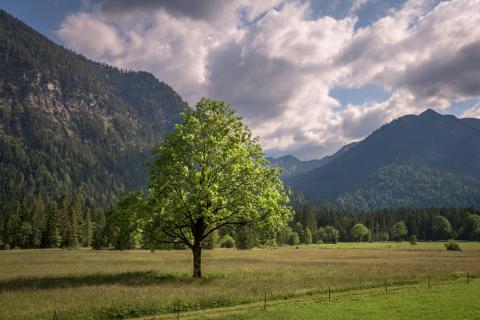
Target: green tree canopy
{"x": 471, "y": 227}
{"x": 399, "y": 231}
{"x": 441, "y": 228}
{"x": 209, "y": 173}
{"x": 360, "y": 232}
{"x": 331, "y": 235}
{"x": 128, "y": 217}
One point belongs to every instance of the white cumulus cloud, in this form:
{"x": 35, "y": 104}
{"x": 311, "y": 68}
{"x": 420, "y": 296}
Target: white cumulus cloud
{"x": 277, "y": 61}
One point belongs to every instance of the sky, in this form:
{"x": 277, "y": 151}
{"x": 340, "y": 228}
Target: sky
{"x": 307, "y": 76}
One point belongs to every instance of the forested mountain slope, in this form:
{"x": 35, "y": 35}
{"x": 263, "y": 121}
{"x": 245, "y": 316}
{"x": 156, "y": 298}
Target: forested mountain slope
{"x": 430, "y": 160}
{"x": 70, "y": 125}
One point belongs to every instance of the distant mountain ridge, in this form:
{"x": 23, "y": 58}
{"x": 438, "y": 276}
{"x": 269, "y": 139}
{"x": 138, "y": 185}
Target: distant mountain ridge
{"x": 70, "y": 125}
{"x": 292, "y": 166}
{"x": 417, "y": 161}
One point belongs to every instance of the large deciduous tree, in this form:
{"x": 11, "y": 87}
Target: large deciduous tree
{"x": 211, "y": 173}
{"x": 441, "y": 228}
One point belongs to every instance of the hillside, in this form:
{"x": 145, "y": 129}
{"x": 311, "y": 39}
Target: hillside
{"x": 70, "y": 125}
{"x": 417, "y": 161}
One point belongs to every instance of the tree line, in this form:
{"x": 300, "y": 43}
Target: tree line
{"x": 327, "y": 224}
{"x": 69, "y": 223}
{"x": 39, "y": 224}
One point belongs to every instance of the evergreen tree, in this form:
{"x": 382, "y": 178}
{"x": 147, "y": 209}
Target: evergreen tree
{"x": 12, "y": 229}
{"x": 87, "y": 230}
{"x": 24, "y": 235}
{"x": 52, "y": 234}
{"x": 309, "y": 218}
{"x": 38, "y": 222}
{"x": 307, "y": 236}
{"x": 245, "y": 237}
{"x": 99, "y": 238}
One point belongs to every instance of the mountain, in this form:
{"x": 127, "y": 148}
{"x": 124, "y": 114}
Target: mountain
{"x": 430, "y": 160}
{"x": 293, "y": 167}
{"x": 70, "y": 125}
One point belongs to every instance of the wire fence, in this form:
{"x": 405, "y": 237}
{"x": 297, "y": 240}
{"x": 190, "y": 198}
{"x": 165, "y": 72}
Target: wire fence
{"x": 320, "y": 295}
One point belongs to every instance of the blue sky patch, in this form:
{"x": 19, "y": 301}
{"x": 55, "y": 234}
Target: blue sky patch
{"x": 367, "y": 93}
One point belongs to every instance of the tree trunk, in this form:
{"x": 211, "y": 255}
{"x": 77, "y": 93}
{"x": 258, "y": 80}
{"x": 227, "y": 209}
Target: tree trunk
{"x": 197, "y": 260}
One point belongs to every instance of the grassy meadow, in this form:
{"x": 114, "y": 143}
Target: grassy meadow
{"x": 444, "y": 301}
{"x": 88, "y": 284}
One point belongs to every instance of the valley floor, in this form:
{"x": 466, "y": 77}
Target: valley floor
{"x": 88, "y": 284}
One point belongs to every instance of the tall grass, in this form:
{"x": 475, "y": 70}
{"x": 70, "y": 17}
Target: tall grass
{"x": 115, "y": 284}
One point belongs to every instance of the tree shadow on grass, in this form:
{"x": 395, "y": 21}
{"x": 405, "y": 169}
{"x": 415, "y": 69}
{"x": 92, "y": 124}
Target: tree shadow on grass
{"x": 137, "y": 278}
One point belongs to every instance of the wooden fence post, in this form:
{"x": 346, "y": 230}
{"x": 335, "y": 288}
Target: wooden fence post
{"x": 429, "y": 286}
{"x": 265, "y": 300}
{"x": 386, "y": 286}
{"x": 329, "y": 293}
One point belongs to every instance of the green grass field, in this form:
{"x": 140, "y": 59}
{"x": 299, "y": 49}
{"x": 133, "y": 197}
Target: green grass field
{"x": 445, "y": 301}
{"x": 87, "y": 284}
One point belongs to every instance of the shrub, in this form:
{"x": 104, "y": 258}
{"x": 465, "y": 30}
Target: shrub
{"x": 413, "y": 240}
{"x": 227, "y": 242}
{"x": 452, "y": 245}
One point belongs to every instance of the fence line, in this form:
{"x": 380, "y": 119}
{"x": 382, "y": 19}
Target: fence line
{"x": 330, "y": 292}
